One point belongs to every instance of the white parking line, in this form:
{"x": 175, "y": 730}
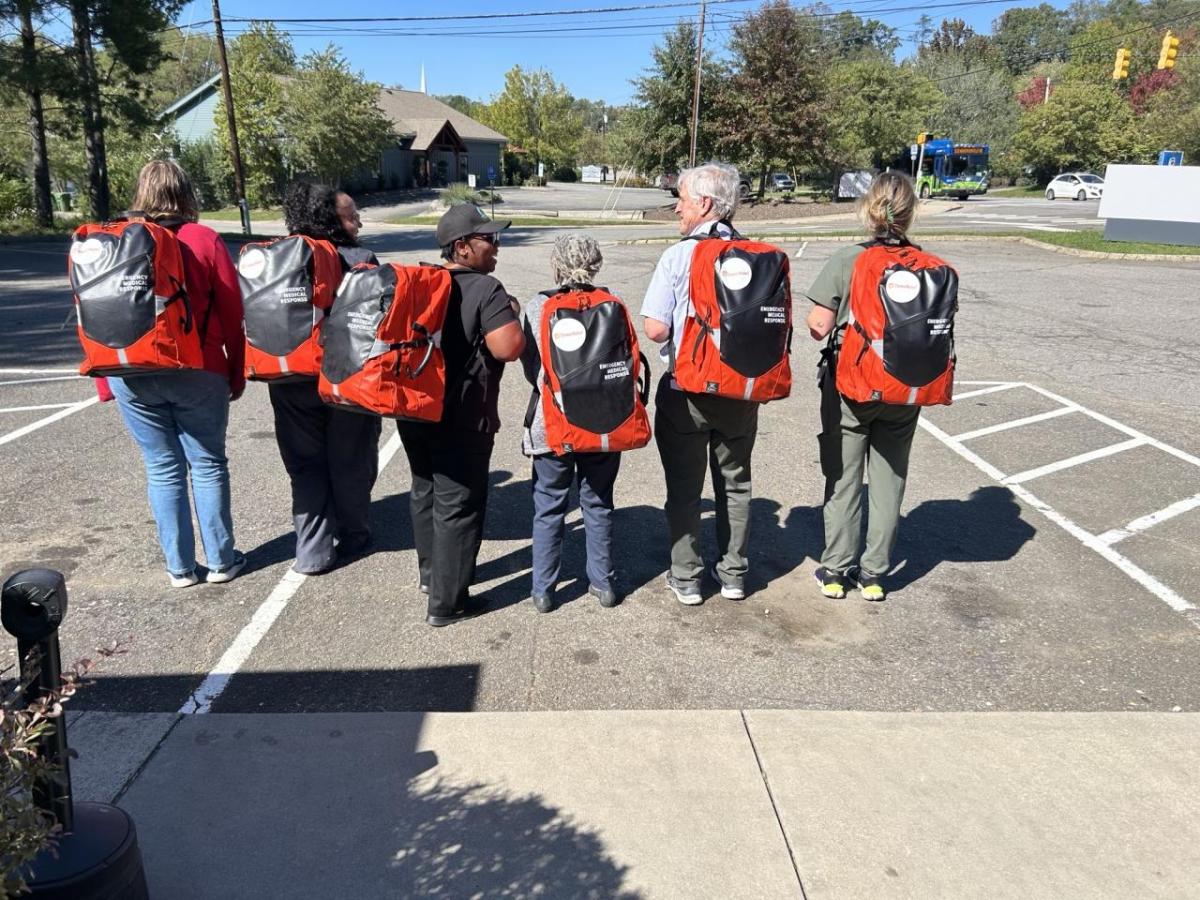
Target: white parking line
{"x": 39, "y": 371}
{"x": 1079, "y": 460}
{"x": 1146, "y": 522}
{"x": 35, "y": 408}
{"x": 75, "y": 377}
{"x": 260, "y": 623}
{"x": 1016, "y": 423}
{"x": 42, "y": 423}
{"x": 987, "y": 390}
{"x": 1085, "y": 537}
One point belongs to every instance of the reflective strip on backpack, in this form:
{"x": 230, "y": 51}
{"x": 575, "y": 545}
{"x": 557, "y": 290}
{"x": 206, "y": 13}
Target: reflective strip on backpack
{"x": 749, "y": 388}
{"x": 123, "y": 357}
{"x": 604, "y": 443}
{"x": 912, "y": 396}
{"x": 160, "y": 303}
{"x": 877, "y": 346}
{"x": 283, "y": 366}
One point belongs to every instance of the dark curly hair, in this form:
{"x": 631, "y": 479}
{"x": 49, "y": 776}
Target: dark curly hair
{"x": 311, "y": 209}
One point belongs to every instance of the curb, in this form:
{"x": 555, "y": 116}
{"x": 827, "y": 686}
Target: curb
{"x": 1010, "y": 238}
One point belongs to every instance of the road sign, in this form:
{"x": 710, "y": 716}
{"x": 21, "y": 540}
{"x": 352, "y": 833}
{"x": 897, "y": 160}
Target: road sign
{"x": 1170, "y": 158}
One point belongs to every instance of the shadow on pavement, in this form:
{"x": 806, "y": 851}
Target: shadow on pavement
{"x": 986, "y": 527}
{"x": 238, "y": 806}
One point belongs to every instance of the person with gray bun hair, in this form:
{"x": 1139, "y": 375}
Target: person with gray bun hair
{"x": 574, "y": 263}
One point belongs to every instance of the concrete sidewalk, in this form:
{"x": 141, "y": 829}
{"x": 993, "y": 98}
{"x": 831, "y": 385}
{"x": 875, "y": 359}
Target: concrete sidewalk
{"x": 679, "y": 804}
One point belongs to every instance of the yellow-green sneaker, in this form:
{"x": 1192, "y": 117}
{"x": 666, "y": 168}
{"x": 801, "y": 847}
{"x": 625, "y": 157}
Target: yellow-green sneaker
{"x": 833, "y": 584}
{"x": 869, "y": 587}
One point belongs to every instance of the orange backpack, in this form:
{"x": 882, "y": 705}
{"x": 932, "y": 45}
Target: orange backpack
{"x": 131, "y": 304}
{"x": 737, "y": 340}
{"x": 595, "y": 380}
{"x": 382, "y": 342}
{"x": 899, "y": 341}
{"x": 287, "y": 286}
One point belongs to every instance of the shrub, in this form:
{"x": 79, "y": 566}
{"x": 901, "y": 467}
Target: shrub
{"x": 211, "y": 174}
{"x": 564, "y": 173}
{"x": 16, "y": 199}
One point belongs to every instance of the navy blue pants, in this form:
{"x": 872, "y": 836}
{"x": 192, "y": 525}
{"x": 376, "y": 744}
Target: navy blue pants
{"x": 552, "y": 480}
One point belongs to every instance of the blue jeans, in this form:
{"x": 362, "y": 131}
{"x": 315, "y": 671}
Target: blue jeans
{"x": 552, "y": 479}
{"x": 178, "y": 419}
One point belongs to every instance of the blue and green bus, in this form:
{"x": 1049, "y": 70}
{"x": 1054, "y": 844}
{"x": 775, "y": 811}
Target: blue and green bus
{"x": 942, "y": 168}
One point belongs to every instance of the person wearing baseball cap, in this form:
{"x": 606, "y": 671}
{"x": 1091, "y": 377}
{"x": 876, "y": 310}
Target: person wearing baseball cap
{"x": 451, "y": 460}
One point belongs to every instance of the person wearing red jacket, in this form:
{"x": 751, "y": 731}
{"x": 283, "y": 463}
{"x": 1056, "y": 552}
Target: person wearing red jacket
{"x": 178, "y": 418}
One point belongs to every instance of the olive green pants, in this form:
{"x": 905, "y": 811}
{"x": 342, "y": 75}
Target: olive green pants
{"x": 696, "y": 433}
{"x": 875, "y": 437}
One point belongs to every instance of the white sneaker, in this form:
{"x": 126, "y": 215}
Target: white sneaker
{"x": 688, "y": 594}
{"x": 187, "y": 579}
{"x": 729, "y": 591}
{"x": 230, "y": 572}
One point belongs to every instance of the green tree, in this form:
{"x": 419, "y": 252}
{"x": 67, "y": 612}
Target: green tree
{"x": 1172, "y": 119}
{"x": 849, "y": 37}
{"x": 654, "y": 135}
{"x": 465, "y": 105}
{"x": 978, "y": 102}
{"x": 22, "y": 65}
{"x": 332, "y": 119}
{"x": 775, "y": 108}
{"x": 259, "y": 61}
{"x": 1082, "y": 126}
{"x": 535, "y": 112}
{"x": 1027, "y": 35}
{"x": 881, "y": 108}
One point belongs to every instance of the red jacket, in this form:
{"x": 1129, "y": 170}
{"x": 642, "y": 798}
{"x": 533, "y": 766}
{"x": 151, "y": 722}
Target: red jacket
{"x": 212, "y": 285}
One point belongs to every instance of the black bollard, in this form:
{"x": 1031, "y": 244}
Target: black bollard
{"x": 96, "y": 856}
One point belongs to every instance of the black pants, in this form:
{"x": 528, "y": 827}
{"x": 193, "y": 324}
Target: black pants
{"x": 448, "y": 501}
{"x": 332, "y": 458}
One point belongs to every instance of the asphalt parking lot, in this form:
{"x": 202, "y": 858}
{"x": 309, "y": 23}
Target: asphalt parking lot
{"x": 1050, "y": 565}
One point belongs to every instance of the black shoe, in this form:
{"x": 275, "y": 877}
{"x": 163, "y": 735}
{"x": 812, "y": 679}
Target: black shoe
{"x": 608, "y": 598}
{"x": 469, "y": 610}
{"x": 543, "y": 603}
{"x": 423, "y": 588}
{"x": 354, "y": 549}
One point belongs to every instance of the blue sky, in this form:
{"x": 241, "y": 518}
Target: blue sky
{"x": 595, "y": 55}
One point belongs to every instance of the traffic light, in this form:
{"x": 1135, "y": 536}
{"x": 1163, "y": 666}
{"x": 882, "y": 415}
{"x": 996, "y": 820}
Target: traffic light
{"x": 1170, "y": 49}
{"x": 922, "y": 137}
{"x": 1121, "y": 66}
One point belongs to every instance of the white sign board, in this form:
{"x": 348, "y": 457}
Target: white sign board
{"x": 471, "y": 180}
{"x": 1152, "y": 203}
{"x": 591, "y": 174}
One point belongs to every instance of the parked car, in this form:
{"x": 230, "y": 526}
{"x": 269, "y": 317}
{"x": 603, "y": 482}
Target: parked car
{"x": 1076, "y": 185}
{"x": 668, "y": 181}
{"x": 781, "y": 181}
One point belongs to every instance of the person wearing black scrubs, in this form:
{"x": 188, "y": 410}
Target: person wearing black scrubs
{"x": 331, "y": 455}
{"x": 450, "y": 460}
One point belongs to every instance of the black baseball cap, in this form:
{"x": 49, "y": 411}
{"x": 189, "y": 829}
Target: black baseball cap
{"x": 464, "y": 219}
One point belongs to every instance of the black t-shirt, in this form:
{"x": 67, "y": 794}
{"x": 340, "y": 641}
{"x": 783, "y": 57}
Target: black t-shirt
{"x": 478, "y": 304}
{"x": 352, "y": 256}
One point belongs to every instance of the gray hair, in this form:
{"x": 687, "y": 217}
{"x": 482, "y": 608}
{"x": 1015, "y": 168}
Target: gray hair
{"x": 717, "y": 181}
{"x": 575, "y": 258}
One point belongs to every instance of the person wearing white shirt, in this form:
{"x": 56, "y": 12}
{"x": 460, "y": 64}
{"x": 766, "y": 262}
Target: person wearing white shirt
{"x": 699, "y": 431}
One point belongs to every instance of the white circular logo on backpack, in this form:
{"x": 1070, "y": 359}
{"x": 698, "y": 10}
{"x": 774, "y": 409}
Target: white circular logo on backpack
{"x": 568, "y": 335}
{"x": 734, "y": 273}
{"x": 902, "y": 286}
{"x": 87, "y": 252}
{"x": 252, "y": 264}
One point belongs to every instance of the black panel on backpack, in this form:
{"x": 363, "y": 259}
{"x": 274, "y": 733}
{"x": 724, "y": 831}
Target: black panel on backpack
{"x": 918, "y": 339}
{"x": 117, "y": 305}
{"x": 348, "y": 335}
{"x": 597, "y": 380}
{"x": 754, "y": 320}
{"x": 278, "y": 304}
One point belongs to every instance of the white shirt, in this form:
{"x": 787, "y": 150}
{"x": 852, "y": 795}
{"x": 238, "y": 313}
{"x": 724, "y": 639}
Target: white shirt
{"x": 668, "y": 298}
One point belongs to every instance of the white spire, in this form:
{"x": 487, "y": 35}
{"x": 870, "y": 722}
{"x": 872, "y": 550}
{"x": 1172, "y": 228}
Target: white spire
{"x": 423, "y": 91}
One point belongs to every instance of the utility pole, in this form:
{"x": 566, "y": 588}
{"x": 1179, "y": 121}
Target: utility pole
{"x": 696, "y": 89}
{"x": 239, "y": 180}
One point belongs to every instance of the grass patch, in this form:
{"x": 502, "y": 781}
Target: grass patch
{"x": 524, "y": 221}
{"x": 1094, "y": 240}
{"x": 25, "y": 229}
{"x": 233, "y": 214}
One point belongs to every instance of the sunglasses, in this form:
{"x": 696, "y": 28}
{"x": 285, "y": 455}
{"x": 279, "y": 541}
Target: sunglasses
{"x": 493, "y": 238}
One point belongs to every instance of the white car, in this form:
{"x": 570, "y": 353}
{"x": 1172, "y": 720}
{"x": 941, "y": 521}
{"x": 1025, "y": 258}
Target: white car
{"x": 1076, "y": 185}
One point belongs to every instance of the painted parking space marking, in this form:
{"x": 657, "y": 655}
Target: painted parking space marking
{"x": 979, "y": 392}
{"x": 12, "y": 409}
{"x": 1101, "y": 544}
{"x": 4, "y": 371}
{"x": 48, "y": 420}
{"x": 1071, "y": 462}
{"x": 1015, "y": 423}
{"x": 235, "y": 656}
{"x": 1144, "y": 523}
{"x": 40, "y": 380}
